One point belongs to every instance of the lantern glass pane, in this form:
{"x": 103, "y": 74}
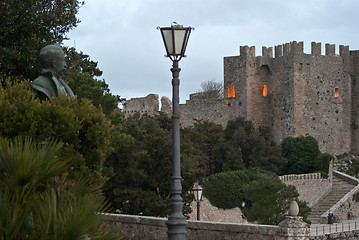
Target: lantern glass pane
{"x": 180, "y": 35}
{"x": 200, "y": 191}
{"x": 168, "y": 38}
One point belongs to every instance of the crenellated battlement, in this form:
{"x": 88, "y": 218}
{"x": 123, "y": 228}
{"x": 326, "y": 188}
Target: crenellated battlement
{"x": 293, "y": 48}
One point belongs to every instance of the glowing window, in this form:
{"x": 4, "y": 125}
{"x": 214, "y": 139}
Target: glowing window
{"x": 260, "y": 90}
{"x": 336, "y": 93}
{"x": 231, "y": 91}
{"x": 265, "y": 90}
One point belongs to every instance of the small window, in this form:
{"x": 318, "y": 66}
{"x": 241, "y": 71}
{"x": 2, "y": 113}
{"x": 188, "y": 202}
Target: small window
{"x": 336, "y": 93}
{"x": 231, "y": 91}
{"x": 260, "y": 90}
{"x": 264, "y": 90}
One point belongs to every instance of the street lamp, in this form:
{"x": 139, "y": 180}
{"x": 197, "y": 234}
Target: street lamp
{"x": 197, "y": 192}
{"x": 175, "y": 39}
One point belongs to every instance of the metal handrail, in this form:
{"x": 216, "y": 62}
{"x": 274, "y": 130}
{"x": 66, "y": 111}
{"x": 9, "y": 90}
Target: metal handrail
{"x": 323, "y": 229}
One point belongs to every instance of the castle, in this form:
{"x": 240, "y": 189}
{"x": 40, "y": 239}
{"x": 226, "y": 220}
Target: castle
{"x": 292, "y": 93}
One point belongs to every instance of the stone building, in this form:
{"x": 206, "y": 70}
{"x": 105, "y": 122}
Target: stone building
{"x": 291, "y": 92}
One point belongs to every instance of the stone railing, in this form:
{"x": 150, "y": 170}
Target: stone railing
{"x": 151, "y": 228}
{"x": 296, "y": 177}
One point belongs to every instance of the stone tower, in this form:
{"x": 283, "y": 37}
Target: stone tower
{"x": 298, "y": 94}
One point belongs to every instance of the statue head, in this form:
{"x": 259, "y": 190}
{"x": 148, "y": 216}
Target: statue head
{"x": 52, "y": 57}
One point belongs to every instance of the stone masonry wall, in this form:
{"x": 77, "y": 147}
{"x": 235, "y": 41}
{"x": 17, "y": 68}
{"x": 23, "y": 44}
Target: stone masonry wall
{"x": 311, "y": 187}
{"x": 151, "y": 228}
{"x": 142, "y": 105}
{"x": 300, "y": 99}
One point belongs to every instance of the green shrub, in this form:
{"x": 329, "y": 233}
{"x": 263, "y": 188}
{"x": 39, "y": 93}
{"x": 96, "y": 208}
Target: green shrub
{"x": 80, "y": 126}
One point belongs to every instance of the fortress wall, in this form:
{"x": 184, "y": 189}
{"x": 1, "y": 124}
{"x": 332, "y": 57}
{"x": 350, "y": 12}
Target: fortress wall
{"x": 317, "y": 112}
{"x": 354, "y": 78}
{"x": 300, "y": 97}
{"x": 219, "y": 111}
{"x": 142, "y": 105}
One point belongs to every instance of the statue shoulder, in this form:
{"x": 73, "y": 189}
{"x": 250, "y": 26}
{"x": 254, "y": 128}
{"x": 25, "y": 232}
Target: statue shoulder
{"x": 45, "y": 84}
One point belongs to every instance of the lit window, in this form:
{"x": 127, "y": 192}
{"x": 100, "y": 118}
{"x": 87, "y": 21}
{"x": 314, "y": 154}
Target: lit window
{"x": 260, "y": 90}
{"x": 336, "y": 93}
{"x": 265, "y": 90}
{"x": 231, "y": 91}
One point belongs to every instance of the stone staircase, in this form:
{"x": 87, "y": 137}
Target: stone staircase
{"x": 340, "y": 188}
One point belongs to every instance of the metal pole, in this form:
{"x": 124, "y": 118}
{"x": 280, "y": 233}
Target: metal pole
{"x": 176, "y": 223}
{"x": 198, "y": 216}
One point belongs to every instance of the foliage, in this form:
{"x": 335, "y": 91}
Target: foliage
{"x": 266, "y": 198}
{"x": 81, "y": 127}
{"x": 36, "y": 202}
{"x": 209, "y": 143}
{"x": 257, "y": 146}
{"x": 348, "y": 164}
{"x": 141, "y": 159}
{"x": 81, "y": 75}
{"x": 26, "y": 27}
{"x": 304, "y": 156}
{"x": 234, "y": 161}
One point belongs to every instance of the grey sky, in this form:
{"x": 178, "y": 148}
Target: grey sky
{"x": 121, "y": 36}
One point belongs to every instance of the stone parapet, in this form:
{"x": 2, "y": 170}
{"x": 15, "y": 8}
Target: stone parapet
{"x": 151, "y": 228}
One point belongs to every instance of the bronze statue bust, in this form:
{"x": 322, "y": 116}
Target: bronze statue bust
{"x": 50, "y": 84}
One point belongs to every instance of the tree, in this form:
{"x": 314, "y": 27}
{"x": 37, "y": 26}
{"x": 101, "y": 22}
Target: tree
{"x": 257, "y": 146}
{"x": 38, "y": 202}
{"x": 211, "y": 89}
{"x": 141, "y": 159}
{"x": 82, "y": 75}
{"x": 304, "y": 156}
{"x": 209, "y": 143}
{"x": 266, "y": 198}
{"x": 80, "y": 126}
{"x": 234, "y": 161}
{"x": 28, "y": 26}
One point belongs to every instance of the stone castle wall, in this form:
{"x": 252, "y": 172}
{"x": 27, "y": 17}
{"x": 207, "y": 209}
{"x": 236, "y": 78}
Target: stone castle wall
{"x": 300, "y": 97}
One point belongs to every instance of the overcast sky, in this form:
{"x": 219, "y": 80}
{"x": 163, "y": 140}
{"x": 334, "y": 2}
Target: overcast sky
{"x": 121, "y": 36}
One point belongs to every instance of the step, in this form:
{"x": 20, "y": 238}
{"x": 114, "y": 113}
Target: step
{"x": 339, "y": 190}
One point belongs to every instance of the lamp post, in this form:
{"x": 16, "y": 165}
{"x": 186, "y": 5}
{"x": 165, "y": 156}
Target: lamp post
{"x": 175, "y": 39}
{"x": 197, "y": 192}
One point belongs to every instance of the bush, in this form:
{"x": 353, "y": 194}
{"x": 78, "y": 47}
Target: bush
{"x": 304, "y": 156}
{"x": 266, "y": 197}
{"x": 80, "y": 126}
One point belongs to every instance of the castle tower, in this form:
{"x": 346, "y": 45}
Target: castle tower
{"x": 296, "y": 94}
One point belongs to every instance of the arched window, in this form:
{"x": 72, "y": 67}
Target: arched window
{"x": 260, "y": 90}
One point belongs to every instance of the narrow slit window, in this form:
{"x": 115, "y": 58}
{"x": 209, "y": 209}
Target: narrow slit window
{"x": 231, "y": 91}
{"x": 336, "y": 93}
{"x": 260, "y": 90}
{"x": 265, "y": 91}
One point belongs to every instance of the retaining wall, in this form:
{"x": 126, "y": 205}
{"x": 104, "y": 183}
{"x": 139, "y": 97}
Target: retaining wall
{"x": 311, "y": 187}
